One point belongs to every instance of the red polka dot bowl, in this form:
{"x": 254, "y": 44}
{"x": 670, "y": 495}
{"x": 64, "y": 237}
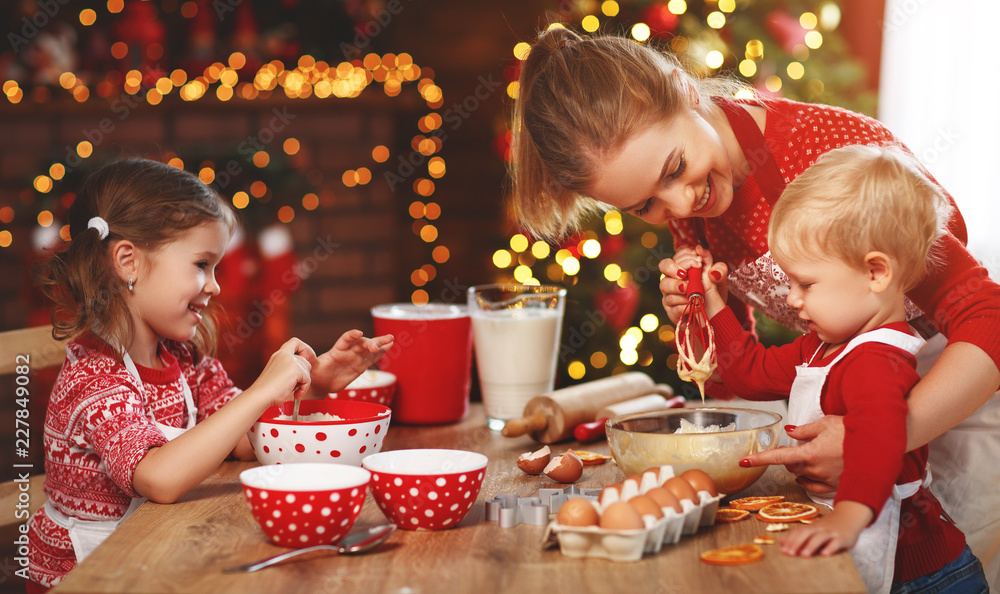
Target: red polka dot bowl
{"x": 426, "y": 489}
{"x": 371, "y": 386}
{"x": 303, "y": 505}
{"x": 350, "y": 431}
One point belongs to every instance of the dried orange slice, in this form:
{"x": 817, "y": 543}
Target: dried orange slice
{"x": 731, "y": 515}
{"x": 763, "y": 539}
{"x": 735, "y": 555}
{"x": 787, "y": 511}
{"x": 591, "y": 458}
{"x": 755, "y": 503}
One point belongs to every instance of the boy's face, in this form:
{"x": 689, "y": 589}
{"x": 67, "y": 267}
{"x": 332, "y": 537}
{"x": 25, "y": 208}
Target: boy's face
{"x": 836, "y": 300}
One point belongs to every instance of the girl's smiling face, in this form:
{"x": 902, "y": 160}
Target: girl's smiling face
{"x": 175, "y": 283}
{"x": 674, "y": 169}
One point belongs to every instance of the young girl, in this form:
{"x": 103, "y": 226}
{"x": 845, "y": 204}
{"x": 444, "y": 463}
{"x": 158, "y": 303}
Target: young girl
{"x": 605, "y": 121}
{"x": 853, "y": 234}
{"x": 140, "y": 410}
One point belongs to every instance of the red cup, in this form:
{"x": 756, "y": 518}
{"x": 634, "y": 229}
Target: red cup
{"x": 431, "y": 357}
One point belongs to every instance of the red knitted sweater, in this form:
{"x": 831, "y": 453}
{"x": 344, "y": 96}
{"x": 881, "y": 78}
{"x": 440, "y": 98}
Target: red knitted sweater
{"x": 97, "y": 428}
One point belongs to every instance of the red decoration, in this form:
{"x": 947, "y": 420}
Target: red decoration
{"x": 785, "y": 29}
{"x": 144, "y": 33}
{"x": 661, "y": 21}
{"x": 619, "y": 305}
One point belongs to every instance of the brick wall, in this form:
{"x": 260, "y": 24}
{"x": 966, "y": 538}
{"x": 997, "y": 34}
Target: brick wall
{"x": 348, "y": 250}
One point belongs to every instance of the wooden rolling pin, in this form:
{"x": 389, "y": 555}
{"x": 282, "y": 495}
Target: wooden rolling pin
{"x": 595, "y": 430}
{"x": 552, "y": 417}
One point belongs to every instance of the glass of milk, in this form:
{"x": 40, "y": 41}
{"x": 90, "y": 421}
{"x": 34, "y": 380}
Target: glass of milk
{"x": 516, "y": 331}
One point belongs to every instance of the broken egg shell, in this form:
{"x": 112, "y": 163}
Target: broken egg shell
{"x": 567, "y": 468}
{"x": 534, "y": 462}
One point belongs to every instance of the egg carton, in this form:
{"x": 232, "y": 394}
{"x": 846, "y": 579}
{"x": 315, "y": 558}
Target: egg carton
{"x": 631, "y": 545}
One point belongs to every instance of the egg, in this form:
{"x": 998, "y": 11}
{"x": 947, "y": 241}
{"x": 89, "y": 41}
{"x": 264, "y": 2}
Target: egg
{"x": 646, "y": 506}
{"x": 665, "y": 498}
{"x": 621, "y": 516}
{"x": 577, "y": 511}
{"x": 700, "y": 480}
{"x": 681, "y": 489}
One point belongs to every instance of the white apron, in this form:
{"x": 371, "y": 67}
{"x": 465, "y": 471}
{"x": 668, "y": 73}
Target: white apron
{"x": 86, "y": 535}
{"x": 875, "y": 552}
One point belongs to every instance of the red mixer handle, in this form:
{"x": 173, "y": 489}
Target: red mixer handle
{"x": 694, "y": 284}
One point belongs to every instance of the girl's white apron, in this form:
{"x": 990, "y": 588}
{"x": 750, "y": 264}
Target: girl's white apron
{"x": 875, "y": 552}
{"x": 86, "y": 535}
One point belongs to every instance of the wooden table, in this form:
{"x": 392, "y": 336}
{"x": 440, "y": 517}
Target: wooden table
{"x": 183, "y": 547}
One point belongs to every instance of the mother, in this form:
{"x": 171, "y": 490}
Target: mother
{"x": 604, "y": 121}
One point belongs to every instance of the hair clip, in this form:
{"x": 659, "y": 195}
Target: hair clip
{"x": 101, "y": 225}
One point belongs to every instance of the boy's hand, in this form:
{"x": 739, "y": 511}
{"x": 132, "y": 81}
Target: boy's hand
{"x": 349, "y": 357}
{"x": 673, "y": 286}
{"x": 829, "y": 534}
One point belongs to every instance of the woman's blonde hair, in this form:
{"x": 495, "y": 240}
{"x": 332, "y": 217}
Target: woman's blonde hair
{"x": 146, "y": 202}
{"x": 858, "y": 199}
{"x": 579, "y": 99}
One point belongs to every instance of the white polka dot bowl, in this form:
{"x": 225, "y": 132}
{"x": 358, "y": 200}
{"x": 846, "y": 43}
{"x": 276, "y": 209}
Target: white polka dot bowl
{"x": 360, "y": 431}
{"x": 426, "y": 489}
{"x": 303, "y": 505}
{"x": 371, "y": 386}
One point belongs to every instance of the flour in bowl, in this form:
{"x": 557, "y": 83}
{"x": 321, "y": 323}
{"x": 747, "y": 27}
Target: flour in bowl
{"x": 689, "y": 427}
{"x": 311, "y": 418}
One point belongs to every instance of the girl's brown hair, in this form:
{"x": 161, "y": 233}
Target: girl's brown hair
{"x": 146, "y": 202}
{"x": 578, "y": 99}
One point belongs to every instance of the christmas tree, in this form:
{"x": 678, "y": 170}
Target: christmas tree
{"x": 614, "y": 318}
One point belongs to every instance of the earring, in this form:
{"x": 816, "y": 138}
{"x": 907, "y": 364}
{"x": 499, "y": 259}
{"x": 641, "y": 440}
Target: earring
{"x": 130, "y": 284}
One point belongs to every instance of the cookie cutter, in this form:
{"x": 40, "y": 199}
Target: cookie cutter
{"x": 509, "y": 510}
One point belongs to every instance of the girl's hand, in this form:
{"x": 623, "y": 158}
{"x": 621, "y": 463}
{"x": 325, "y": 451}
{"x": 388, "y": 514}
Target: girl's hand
{"x": 349, "y": 357}
{"x": 286, "y": 374}
{"x": 673, "y": 286}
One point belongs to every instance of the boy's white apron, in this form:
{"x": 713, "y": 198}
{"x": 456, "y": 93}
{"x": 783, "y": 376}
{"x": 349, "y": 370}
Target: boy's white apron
{"x": 86, "y": 535}
{"x": 875, "y": 552}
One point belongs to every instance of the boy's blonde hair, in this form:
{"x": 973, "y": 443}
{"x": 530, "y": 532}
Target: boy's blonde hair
{"x": 859, "y": 199}
{"x": 579, "y": 99}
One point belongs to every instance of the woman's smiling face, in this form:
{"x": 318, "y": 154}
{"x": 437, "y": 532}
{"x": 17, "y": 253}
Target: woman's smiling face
{"x": 674, "y": 169}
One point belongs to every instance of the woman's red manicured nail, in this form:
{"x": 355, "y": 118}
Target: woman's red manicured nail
{"x": 716, "y": 275}
{"x": 682, "y": 273}
{"x": 683, "y": 287}
{"x": 790, "y": 428}
{"x": 745, "y": 463}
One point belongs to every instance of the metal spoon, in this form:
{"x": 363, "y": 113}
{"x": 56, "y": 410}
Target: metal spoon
{"x": 358, "y": 542}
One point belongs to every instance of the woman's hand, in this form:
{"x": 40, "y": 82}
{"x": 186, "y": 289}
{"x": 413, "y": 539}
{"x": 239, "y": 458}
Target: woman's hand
{"x": 349, "y": 357}
{"x": 673, "y": 285}
{"x": 818, "y": 462}
{"x": 286, "y": 374}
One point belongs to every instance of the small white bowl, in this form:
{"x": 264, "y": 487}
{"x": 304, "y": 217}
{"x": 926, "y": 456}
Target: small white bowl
{"x": 427, "y": 489}
{"x": 359, "y": 433}
{"x": 371, "y": 386}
